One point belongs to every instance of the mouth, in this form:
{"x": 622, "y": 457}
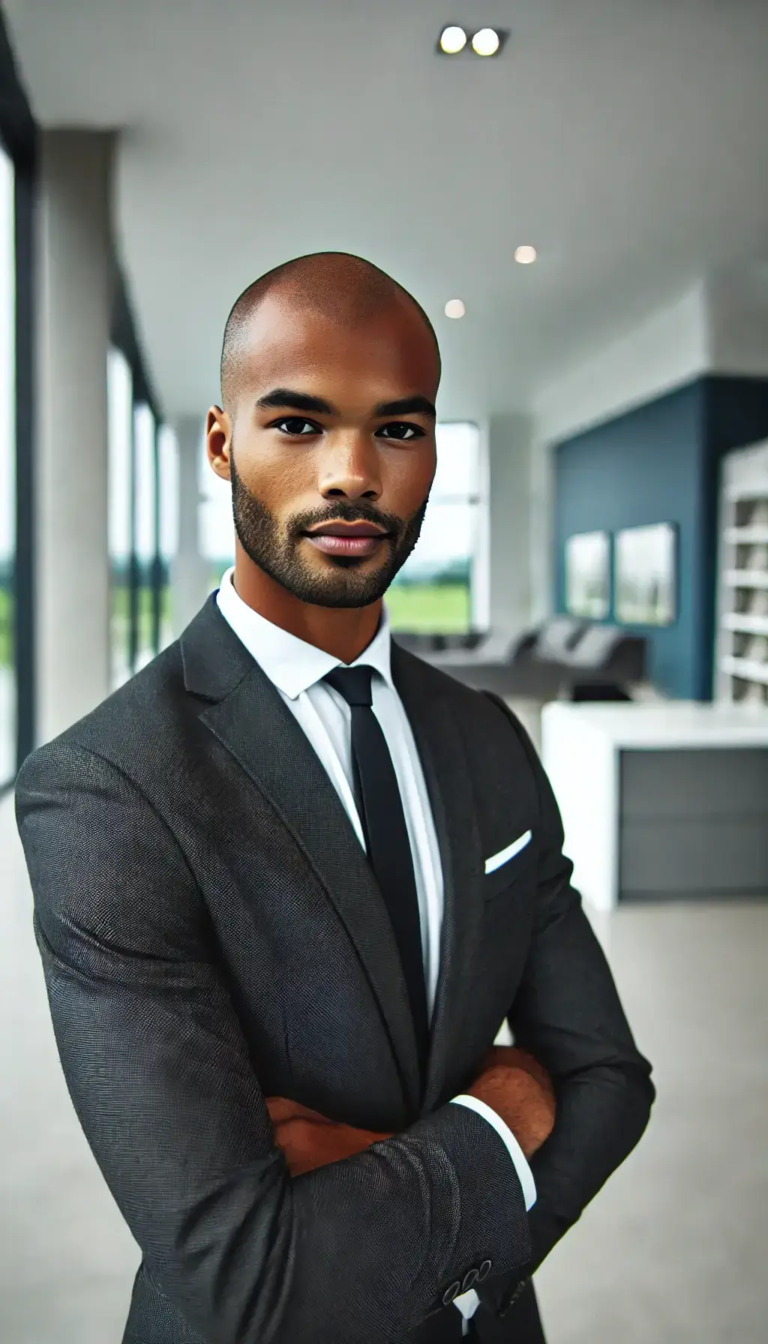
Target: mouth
{"x": 361, "y": 539}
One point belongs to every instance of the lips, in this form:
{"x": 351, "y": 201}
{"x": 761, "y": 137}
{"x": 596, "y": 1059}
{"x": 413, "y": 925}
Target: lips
{"x": 347, "y": 530}
{"x": 355, "y": 539}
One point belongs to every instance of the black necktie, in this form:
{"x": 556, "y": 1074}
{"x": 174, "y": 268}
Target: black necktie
{"x": 389, "y": 850}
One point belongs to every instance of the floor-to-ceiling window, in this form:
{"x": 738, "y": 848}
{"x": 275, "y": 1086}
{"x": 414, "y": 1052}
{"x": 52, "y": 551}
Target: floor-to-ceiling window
{"x": 143, "y": 523}
{"x": 216, "y": 526}
{"x": 168, "y": 527}
{"x": 436, "y": 591}
{"x": 120, "y": 403}
{"x": 8, "y": 680}
{"x": 145, "y": 532}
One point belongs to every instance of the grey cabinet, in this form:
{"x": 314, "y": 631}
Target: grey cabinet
{"x": 693, "y": 823}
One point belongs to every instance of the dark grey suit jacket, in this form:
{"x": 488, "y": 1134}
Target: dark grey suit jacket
{"x": 212, "y": 934}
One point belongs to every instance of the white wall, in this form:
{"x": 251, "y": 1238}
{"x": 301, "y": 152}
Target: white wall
{"x": 667, "y": 350}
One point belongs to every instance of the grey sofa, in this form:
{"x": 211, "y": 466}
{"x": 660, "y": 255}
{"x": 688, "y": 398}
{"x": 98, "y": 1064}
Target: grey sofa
{"x": 563, "y": 657}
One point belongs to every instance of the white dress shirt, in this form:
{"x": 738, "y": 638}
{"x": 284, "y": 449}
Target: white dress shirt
{"x": 297, "y": 670}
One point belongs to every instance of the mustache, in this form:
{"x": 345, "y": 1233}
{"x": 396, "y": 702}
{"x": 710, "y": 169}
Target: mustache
{"x": 346, "y": 512}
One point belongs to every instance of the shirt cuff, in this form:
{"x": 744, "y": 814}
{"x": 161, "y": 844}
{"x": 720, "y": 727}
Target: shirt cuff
{"x": 524, "y": 1173}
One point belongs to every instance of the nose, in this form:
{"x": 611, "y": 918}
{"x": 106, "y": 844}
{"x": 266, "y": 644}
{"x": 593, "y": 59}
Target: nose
{"x": 349, "y": 467}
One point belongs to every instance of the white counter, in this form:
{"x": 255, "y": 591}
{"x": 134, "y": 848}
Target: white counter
{"x": 581, "y": 750}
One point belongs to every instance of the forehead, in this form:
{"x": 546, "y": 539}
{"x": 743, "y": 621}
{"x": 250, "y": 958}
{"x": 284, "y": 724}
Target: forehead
{"x": 289, "y": 345}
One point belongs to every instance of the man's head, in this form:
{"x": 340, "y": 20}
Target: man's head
{"x": 329, "y": 375}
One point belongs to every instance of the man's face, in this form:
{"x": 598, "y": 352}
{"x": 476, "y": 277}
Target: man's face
{"x": 333, "y": 425}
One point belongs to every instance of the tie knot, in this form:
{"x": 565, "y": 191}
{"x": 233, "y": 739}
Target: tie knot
{"x": 354, "y": 683}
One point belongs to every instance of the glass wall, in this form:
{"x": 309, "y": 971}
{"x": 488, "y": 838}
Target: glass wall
{"x": 120, "y": 407}
{"x": 168, "y": 503}
{"x": 8, "y": 680}
{"x": 437, "y": 590}
{"x": 216, "y": 527}
{"x": 143, "y": 524}
{"x": 145, "y": 529}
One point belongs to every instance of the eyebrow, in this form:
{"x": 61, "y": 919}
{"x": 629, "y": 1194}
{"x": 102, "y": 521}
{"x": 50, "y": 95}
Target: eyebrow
{"x": 282, "y": 398}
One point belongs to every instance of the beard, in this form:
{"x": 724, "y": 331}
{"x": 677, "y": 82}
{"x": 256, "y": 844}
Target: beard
{"x": 334, "y": 581}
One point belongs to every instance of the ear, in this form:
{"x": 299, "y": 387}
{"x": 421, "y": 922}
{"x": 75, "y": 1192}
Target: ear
{"x": 218, "y": 436}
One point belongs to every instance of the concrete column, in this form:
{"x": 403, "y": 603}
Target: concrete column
{"x": 73, "y": 322}
{"x": 190, "y": 579}
{"x": 510, "y": 512}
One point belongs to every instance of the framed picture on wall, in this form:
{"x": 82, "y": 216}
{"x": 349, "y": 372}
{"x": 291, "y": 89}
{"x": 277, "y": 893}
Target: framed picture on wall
{"x": 646, "y": 575}
{"x": 588, "y": 575}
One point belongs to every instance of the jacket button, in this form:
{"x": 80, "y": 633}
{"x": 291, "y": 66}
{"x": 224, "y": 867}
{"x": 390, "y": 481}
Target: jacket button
{"x": 469, "y": 1279}
{"x": 484, "y": 1271}
{"x": 452, "y": 1291}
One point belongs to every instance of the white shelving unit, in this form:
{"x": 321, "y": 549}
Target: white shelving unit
{"x": 742, "y": 635}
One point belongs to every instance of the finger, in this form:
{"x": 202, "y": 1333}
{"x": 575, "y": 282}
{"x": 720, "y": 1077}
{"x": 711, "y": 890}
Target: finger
{"x": 283, "y": 1108}
{"x": 280, "y": 1108}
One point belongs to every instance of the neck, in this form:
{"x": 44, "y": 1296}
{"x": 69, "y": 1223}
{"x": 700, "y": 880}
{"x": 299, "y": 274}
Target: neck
{"x": 344, "y": 632}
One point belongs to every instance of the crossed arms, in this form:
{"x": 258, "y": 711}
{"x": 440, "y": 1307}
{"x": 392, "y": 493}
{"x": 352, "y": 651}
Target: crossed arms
{"x": 511, "y": 1081}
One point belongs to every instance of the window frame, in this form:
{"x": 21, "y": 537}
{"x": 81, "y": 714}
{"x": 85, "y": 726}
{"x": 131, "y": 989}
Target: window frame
{"x": 19, "y": 138}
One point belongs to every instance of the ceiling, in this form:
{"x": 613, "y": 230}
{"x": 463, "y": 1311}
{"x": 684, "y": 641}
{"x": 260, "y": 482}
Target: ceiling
{"x": 626, "y": 139}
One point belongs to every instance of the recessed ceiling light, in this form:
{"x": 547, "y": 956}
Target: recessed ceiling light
{"x": 454, "y": 308}
{"x": 525, "y": 255}
{"x": 453, "y": 40}
{"x": 486, "y": 42}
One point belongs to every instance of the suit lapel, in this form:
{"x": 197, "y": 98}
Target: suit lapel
{"x": 251, "y": 720}
{"x": 446, "y": 771}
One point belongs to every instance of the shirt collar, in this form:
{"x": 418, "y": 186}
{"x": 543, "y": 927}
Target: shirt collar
{"x": 289, "y": 662}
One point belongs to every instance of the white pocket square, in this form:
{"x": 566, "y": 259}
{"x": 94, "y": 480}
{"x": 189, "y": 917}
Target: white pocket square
{"x": 504, "y": 855}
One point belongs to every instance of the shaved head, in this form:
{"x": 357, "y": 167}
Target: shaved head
{"x": 335, "y": 285}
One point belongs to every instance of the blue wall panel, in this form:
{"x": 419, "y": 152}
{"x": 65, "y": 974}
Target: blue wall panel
{"x": 660, "y": 464}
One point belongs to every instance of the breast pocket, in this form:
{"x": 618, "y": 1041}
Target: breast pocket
{"x": 506, "y": 867}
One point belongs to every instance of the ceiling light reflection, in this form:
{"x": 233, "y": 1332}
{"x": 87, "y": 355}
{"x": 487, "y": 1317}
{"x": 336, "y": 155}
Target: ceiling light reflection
{"x": 453, "y": 40}
{"x": 486, "y": 42}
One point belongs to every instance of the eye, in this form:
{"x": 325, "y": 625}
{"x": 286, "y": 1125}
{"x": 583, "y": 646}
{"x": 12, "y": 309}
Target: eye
{"x": 296, "y": 426}
{"x": 401, "y": 431}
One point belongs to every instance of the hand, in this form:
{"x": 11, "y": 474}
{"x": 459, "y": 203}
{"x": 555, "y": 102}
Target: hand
{"x": 309, "y": 1140}
{"x": 520, "y": 1090}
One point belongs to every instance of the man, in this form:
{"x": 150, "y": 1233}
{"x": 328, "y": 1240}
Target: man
{"x": 289, "y": 881}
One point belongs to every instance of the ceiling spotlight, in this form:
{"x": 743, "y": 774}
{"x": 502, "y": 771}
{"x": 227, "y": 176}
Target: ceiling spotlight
{"x": 486, "y": 42}
{"x": 454, "y": 308}
{"x": 525, "y": 255}
{"x": 453, "y": 40}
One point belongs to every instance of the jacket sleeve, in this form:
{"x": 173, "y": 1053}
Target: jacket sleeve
{"x": 161, "y": 1079}
{"x": 567, "y": 1013}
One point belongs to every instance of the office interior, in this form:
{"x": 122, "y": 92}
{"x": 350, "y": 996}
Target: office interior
{"x": 583, "y": 214}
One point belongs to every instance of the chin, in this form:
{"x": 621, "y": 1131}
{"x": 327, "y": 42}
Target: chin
{"x": 350, "y": 594}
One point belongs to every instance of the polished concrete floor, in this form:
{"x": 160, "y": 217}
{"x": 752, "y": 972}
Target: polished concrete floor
{"x": 672, "y": 1251}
